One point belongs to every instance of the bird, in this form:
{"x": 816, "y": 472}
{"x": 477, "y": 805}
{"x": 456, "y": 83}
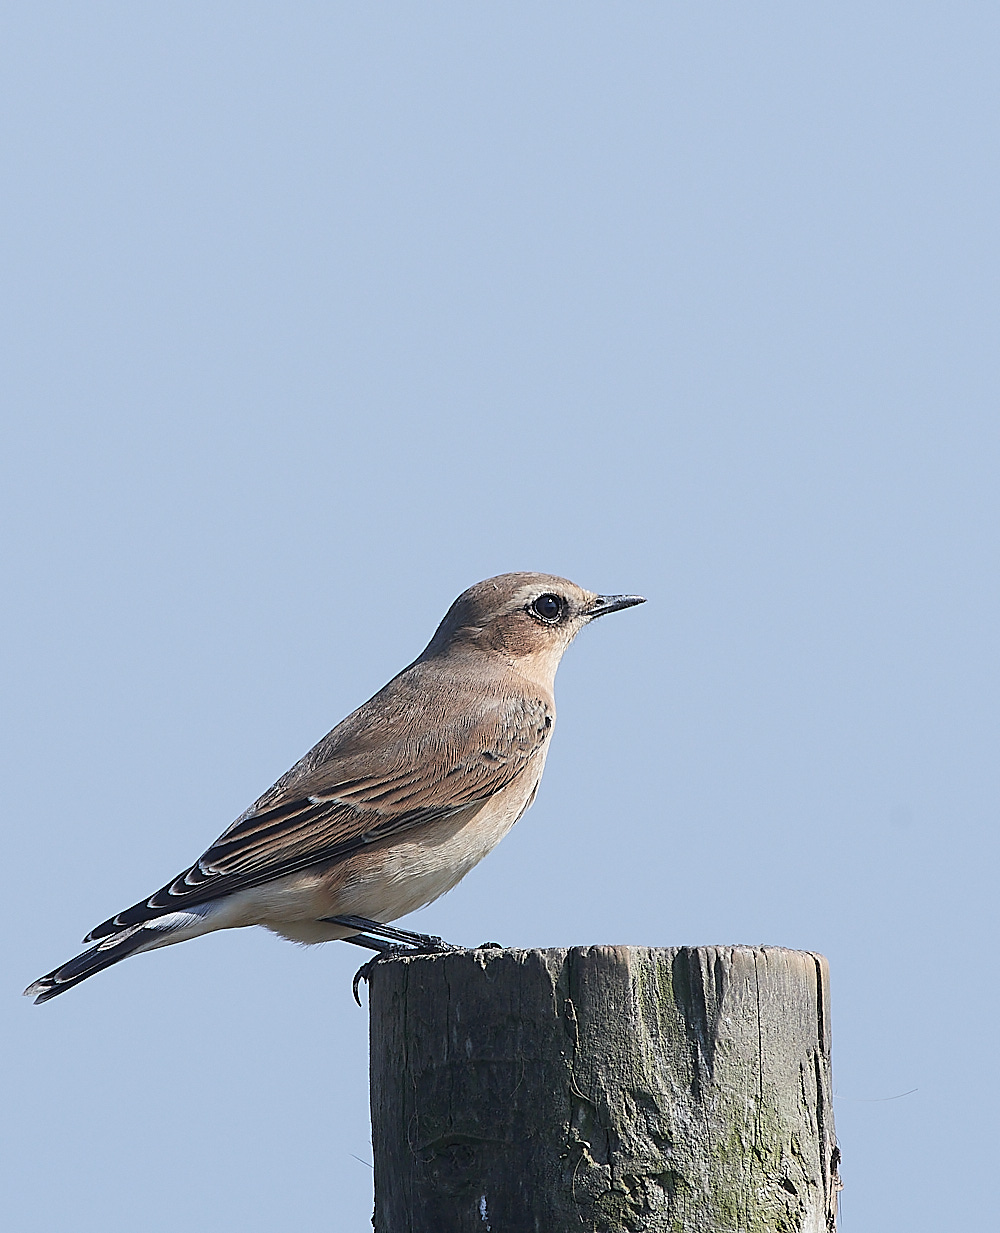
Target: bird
{"x": 392, "y": 807}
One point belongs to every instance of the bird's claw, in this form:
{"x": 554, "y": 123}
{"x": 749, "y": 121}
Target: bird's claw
{"x": 431, "y": 946}
{"x": 365, "y": 971}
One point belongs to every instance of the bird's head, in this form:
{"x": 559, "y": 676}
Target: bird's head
{"x": 528, "y": 619}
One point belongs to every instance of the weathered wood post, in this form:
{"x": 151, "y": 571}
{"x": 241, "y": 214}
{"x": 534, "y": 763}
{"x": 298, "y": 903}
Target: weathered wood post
{"x": 603, "y": 1089}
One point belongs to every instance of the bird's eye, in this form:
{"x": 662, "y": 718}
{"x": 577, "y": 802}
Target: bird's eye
{"x": 548, "y": 607}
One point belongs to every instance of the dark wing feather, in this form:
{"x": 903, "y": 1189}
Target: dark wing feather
{"x": 383, "y": 771}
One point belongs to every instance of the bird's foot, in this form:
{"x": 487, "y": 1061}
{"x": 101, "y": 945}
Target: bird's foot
{"x": 388, "y": 942}
{"x": 392, "y": 950}
{"x": 364, "y": 973}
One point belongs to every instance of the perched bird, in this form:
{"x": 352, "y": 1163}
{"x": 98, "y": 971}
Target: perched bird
{"x": 396, "y": 804}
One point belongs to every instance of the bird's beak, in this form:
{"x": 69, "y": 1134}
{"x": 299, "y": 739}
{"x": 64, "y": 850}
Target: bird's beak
{"x": 604, "y": 604}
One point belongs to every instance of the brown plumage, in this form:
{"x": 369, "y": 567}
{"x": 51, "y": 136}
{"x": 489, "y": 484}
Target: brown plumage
{"x": 397, "y": 803}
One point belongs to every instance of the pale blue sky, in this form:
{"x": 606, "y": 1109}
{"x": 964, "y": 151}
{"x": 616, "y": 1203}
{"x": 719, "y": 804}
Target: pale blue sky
{"x": 316, "y": 314}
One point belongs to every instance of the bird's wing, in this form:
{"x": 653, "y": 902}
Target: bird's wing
{"x": 355, "y": 797}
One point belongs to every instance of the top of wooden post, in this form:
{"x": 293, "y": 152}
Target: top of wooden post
{"x": 609, "y": 1088}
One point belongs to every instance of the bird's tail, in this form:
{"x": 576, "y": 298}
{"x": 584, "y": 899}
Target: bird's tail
{"x": 118, "y": 946}
{"x": 164, "y": 930}
{"x": 103, "y": 955}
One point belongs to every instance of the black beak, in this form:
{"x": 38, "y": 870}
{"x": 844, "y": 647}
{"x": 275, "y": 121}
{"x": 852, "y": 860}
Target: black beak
{"x": 604, "y": 604}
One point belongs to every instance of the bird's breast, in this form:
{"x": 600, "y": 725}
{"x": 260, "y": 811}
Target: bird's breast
{"x": 397, "y": 875}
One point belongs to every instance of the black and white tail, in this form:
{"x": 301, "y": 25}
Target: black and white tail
{"x": 148, "y": 935}
{"x": 99, "y": 957}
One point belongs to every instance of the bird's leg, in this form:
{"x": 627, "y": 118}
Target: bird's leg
{"x": 360, "y": 939}
{"x": 425, "y": 942}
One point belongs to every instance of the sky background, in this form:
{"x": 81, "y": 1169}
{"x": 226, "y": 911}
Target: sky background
{"x": 317, "y": 313}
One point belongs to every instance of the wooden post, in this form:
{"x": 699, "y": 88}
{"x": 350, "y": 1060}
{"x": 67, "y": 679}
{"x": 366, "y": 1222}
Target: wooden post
{"x": 603, "y": 1089}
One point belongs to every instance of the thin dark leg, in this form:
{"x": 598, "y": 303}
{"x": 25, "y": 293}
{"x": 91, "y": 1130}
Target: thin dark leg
{"x": 359, "y": 939}
{"x": 423, "y": 941}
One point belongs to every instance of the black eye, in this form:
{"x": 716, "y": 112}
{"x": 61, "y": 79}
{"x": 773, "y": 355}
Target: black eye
{"x": 548, "y": 607}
